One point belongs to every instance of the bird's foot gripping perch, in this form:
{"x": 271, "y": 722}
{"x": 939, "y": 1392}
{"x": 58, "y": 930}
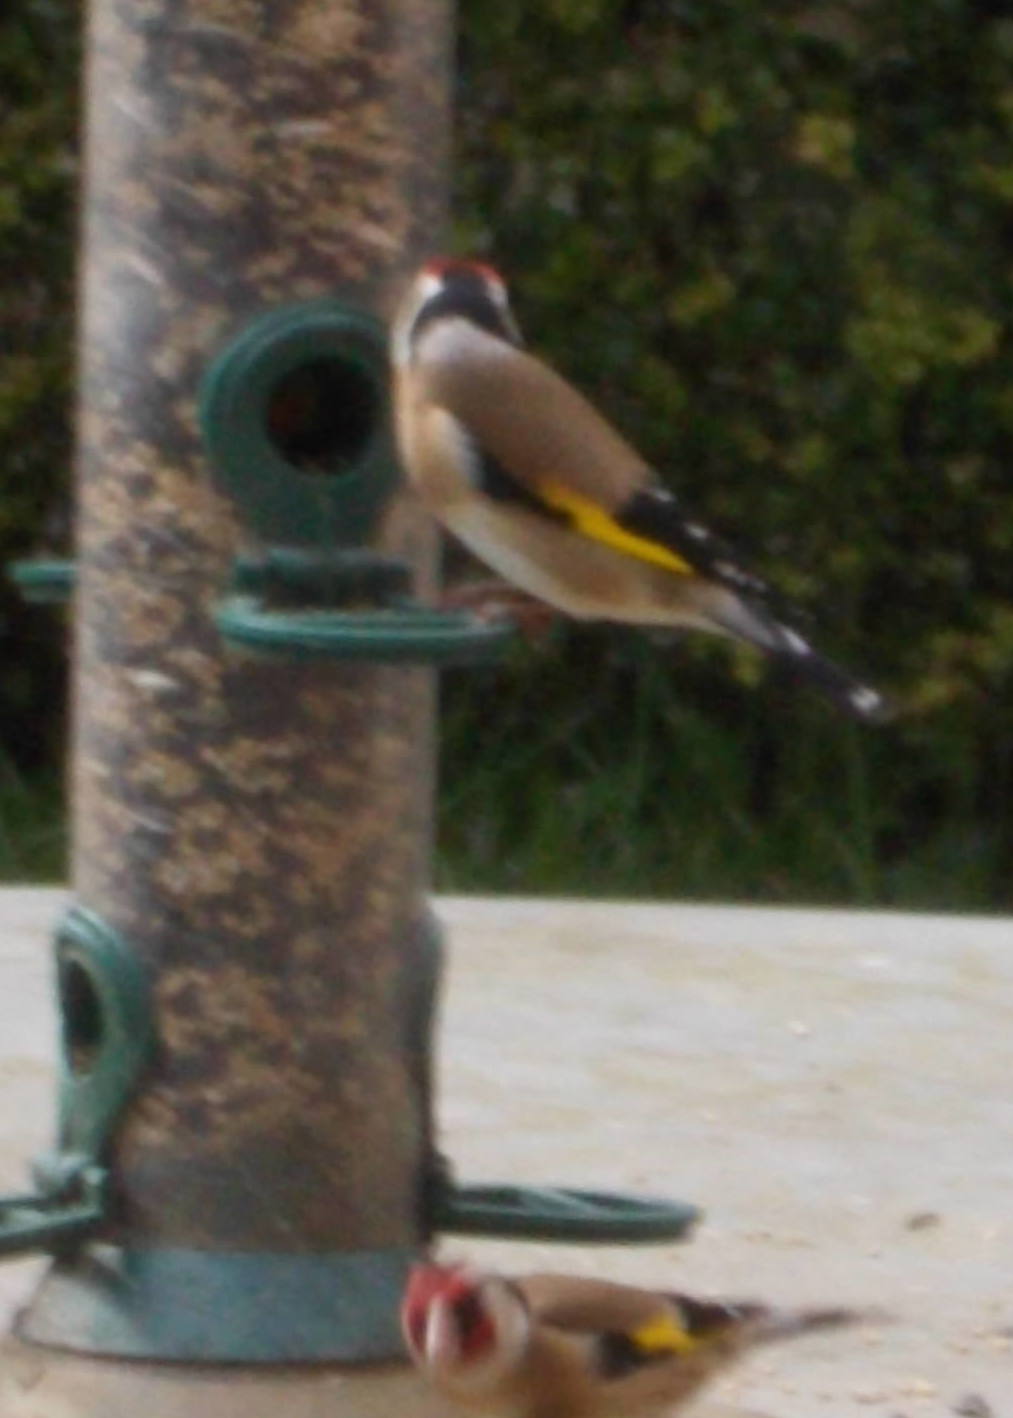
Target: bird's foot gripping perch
{"x": 492, "y": 600}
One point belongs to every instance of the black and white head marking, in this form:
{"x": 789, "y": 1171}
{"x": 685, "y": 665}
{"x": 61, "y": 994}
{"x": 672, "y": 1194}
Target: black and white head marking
{"x": 462, "y": 290}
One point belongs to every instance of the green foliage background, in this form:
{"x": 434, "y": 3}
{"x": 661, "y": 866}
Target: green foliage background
{"x": 771, "y": 240}
{"x": 39, "y": 61}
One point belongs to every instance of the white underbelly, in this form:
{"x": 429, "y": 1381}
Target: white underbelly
{"x": 580, "y": 577}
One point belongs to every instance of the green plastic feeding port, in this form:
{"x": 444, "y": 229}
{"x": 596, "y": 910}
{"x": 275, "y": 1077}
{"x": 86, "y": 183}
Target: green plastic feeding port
{"x": 295, "y": 417}
{"x": 106, "y": 1040}
{"x": 107, "y": 1031}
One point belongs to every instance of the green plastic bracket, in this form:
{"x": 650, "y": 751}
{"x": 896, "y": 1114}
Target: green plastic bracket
{"x": 292, "y": 576}
{"x": 49, "y": 1221}
{"x": 561, "y": 1214}
{"x": 44, "y": 581}
{"x": 107, "y": 1037}
{"x": 407, "y": 635}
{"x": 294, "y": 417}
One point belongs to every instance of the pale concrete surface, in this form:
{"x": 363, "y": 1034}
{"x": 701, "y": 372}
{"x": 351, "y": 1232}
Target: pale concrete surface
{"x": 835, "y": 1089}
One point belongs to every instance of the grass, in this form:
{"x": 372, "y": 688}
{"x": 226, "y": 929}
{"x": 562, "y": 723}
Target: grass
{"x": 610, "y": 767}
{"x": 653, "y": 776}
{"x": 33, "y": 837}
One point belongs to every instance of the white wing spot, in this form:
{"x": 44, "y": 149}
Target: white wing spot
{"x": 865, "y": 699}
{"x": 795, "y": 643}
{"x": 734, "y": 573}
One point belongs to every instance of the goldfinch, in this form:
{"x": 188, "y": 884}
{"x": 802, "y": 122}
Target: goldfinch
{"x": 557, "y": 1346}
{"x": 514, "y": 462}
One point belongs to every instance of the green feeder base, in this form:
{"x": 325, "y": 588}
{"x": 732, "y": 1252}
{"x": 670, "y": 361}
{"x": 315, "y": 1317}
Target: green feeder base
{"x": 215, "y": 1307}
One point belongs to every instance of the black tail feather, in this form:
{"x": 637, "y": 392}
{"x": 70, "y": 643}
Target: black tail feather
{"x": 859, "y": 700}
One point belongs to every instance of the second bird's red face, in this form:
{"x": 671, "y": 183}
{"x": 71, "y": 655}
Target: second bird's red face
{"x": 444, "y": 1317}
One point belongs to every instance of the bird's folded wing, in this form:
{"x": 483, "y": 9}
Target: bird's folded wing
{"x": 585, "y": 1304}
{"x": 532, "y": 429}
{"x": 526, "y": 417}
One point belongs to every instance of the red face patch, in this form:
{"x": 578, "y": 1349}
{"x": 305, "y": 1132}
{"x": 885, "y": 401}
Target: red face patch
{"x": 441, "y": 266}
{"x": 460, "y": 1294}
{"x": 425, "y": 1283}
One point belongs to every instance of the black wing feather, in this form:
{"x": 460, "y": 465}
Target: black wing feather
{"x": 492, "y": 479}
{"x": 659, "y": 516}
{"x": 617, "y": 1355}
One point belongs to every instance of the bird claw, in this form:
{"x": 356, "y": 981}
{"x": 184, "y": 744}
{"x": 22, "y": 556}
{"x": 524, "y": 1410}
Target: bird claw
{"x": 491, "y": 600}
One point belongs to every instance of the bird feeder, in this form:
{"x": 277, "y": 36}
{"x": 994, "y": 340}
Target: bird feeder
{"x": 244, "y": 1167}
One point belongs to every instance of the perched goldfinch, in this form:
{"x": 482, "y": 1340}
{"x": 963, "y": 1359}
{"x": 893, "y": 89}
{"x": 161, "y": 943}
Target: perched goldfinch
{"x": 518, "y": 465}
{"x": 557, "y": 1346}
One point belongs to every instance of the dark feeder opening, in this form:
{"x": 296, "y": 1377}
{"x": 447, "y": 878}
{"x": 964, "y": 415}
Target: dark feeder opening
{"x": 322, "y": 415}
{"x": 82, "y": 1016}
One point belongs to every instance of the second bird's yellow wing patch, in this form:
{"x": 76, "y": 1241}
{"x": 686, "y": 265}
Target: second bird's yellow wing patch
{"x": 593, "y": 521}
{"x": 664, "y": 1335}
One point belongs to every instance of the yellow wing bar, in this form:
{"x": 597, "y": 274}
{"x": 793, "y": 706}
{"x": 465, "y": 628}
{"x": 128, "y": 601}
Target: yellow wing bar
{"x": 587, "y": 517}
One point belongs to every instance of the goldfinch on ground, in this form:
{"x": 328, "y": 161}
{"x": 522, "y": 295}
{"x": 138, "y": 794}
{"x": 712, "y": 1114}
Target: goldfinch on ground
{"x": 557, "y": 1346}
{"x": 522, "y": 469}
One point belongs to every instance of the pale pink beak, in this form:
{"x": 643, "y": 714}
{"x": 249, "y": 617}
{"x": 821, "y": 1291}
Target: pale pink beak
{"x": 441, "y": 1346}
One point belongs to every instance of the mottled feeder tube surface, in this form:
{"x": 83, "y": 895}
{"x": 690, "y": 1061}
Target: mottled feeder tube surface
{"x": 258, "y": 831}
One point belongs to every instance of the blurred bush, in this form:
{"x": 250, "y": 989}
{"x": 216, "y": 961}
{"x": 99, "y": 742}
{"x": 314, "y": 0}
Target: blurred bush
{"x": 39, "y": 64}
{"x": 772, "y": 241}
